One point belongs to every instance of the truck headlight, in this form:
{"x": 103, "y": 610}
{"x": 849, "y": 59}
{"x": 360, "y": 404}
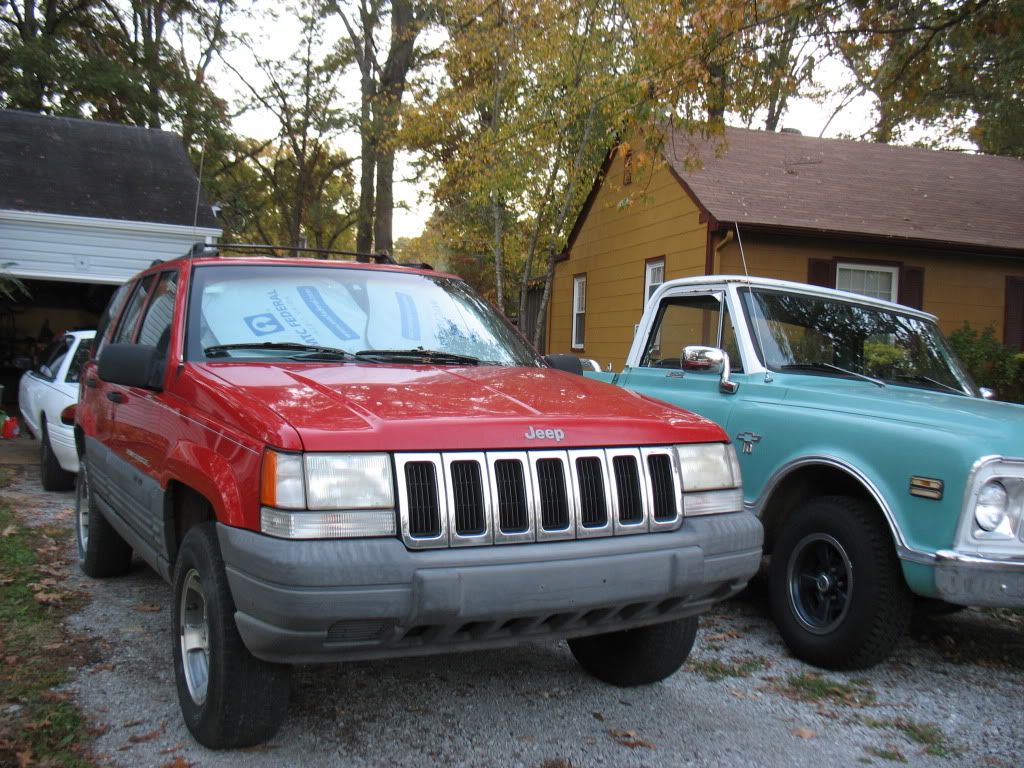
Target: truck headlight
{"x": 992, "y": 506}
{"x": 327, "y": 495}
{"x": 710, "y": 474}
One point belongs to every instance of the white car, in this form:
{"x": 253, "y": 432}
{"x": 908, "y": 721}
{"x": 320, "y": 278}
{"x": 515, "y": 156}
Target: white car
{"x": 43, "y": 393}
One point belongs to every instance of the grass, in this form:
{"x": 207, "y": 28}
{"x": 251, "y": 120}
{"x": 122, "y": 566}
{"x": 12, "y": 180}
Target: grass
{"x": 927, "y": 735}
{"x": 815, "y": 687}
{"x": 717, "y": 669}
{"x": 37, "y": 724}
{"x": 887, "y": 753}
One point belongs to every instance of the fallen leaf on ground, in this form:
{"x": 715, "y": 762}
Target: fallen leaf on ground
{"x": 175, "y": 748}
{"x": 148, "y": 608}
{"x": 142, "y": 737}
{"x": 804, "y": 733}
{"x": 629, "y": 739}
{"x": 10, "y": 530}
{"x": 598, "y": 716}
{"x": 178, "y": 762}
{"x": 102, "y": 668}
{"x": 49, "y": 598}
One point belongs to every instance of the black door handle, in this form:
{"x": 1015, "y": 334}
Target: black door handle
{"x": 116, "y": 397}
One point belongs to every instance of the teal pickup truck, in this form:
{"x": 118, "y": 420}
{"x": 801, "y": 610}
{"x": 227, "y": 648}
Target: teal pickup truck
{"x": 880, "y": 471}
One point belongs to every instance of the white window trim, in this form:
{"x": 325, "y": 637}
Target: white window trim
{"x": 649, "y": 268}
{"x": 579, "y": 307}
{"x": 854, "y": 267}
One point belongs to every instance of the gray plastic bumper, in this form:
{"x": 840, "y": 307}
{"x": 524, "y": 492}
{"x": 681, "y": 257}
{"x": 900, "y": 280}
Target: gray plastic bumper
{"x": 306, "y": 601}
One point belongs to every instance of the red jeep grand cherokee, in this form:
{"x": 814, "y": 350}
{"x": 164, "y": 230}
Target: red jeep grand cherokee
{"x": 334, "y": 461}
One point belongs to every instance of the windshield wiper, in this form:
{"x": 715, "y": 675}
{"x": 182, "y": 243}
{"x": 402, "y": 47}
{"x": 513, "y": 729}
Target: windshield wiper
{"x": 835, "y": 368}
{"x": 419, "y": 355}
{"x": 927, "y": 380}
{"x": 304, "y": 351}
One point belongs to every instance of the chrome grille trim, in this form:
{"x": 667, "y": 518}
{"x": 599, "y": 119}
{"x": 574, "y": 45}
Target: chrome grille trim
{"x": 531, "y": 495}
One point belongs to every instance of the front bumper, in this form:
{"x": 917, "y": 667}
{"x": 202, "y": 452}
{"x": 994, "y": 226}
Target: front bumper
{"x": 334, "y": 600}
{"x": 983, "y": 581}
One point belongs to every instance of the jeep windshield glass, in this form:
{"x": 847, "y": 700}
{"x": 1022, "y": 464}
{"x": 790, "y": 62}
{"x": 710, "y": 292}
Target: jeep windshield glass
{"x": 823, "y": 336}
{"x": 275, "y": 312}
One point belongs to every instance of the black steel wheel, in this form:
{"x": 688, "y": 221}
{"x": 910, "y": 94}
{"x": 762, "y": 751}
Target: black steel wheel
{"x": 836, "y": 586}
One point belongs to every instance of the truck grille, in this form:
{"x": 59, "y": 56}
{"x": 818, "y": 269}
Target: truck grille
{"x": 506, "y": 497}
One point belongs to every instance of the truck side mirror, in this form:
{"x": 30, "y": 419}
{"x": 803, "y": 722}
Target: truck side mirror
{"x": 709, "y": 360}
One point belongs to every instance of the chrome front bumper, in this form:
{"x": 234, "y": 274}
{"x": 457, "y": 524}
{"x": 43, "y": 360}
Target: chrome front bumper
{"x": 966, "y": 579}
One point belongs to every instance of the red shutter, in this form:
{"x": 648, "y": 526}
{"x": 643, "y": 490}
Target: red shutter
{"x": 911, "y": 288}
{"x": 821, "y": 272}
{"x": 1013, "y": 333}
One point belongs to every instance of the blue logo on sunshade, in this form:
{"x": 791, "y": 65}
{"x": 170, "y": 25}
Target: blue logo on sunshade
{"x": 263, "y": 325}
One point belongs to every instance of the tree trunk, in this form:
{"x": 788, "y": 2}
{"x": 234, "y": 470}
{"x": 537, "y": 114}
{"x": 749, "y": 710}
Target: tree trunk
{"x": 404, "y": 29}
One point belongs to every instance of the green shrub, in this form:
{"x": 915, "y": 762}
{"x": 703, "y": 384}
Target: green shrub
{"x": 990, "y": 362}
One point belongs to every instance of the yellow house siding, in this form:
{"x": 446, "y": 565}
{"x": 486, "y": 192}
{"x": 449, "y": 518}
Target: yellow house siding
{"x": 612, "y": 247}
{"x": 958, "y": 287}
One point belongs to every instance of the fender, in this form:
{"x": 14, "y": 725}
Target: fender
{"x": 904, "y": 551}
{"x": 215, "y": 476}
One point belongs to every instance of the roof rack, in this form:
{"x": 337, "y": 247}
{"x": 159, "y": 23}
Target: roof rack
{"x": 218, "y": 249}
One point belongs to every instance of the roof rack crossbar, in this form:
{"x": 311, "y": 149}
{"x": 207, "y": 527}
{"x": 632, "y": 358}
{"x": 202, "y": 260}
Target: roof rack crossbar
{"x": 211, "y": 249}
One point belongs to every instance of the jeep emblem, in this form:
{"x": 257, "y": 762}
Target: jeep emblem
{"x": 544, "y": 434}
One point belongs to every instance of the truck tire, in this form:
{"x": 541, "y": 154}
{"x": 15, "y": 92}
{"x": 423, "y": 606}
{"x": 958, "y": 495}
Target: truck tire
{"x": 228, "y": 697}
{"x": 101, "y": 550}
{"x": 836, "y": 587}
{"x": 636, "y": 656}
{"x": 53, "y": 476}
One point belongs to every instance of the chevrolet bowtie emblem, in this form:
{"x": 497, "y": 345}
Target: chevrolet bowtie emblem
{"x": 748, "y": 439}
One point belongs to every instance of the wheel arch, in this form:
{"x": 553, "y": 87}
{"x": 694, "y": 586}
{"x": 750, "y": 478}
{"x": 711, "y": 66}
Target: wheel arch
{"x": 184, "y": 507}
{"x": 812, "y": 476}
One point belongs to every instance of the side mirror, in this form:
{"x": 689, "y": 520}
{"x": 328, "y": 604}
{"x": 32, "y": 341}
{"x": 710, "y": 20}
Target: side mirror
{"x": 132, "y": 365}
{"x": 987, "y": 393}
{"x": 709, "y": 360}
{"x": 567, "y": 363}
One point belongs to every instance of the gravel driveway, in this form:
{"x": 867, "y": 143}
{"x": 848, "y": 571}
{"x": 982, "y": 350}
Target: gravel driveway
{"x": 950, "y": 696}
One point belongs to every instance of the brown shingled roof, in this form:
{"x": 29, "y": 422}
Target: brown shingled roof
{"x": 789, "y": 181}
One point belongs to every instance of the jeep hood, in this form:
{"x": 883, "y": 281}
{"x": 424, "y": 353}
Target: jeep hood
{"x": 392, "y": 408}
{"x": 992, "y": 427}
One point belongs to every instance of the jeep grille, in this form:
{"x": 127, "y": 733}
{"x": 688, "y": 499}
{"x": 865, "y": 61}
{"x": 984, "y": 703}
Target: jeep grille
{"x": 506, "y": 497}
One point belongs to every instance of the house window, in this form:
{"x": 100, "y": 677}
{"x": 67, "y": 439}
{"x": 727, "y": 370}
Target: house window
{"x": 654, "y": 275}
{"x": 627, "y": 169}
{"x": 878, "y": 282}
{"x": 579, "y": 310}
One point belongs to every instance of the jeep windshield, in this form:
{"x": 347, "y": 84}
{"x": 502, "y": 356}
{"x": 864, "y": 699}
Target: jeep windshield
{"x": 300, "y": 312}
{"x": 832, "y": 337}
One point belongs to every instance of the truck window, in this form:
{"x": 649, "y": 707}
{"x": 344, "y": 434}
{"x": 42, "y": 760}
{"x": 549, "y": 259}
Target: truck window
{"x": 689, "y": 320}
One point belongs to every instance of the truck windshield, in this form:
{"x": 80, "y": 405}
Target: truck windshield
{"x": 311, "y": 313}
{"x": 814, "y": 334}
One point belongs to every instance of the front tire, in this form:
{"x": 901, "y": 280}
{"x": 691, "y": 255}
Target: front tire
{"x": 228, "y": 697}
{"x": 101, "y": 550}
{"x": 837, "y": 590}
{"x": 53, "y": 476}
{"x": 636, "y": 656}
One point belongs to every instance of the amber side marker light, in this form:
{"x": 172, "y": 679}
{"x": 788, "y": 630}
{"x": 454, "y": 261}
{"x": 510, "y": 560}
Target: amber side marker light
{"x": 926, "y": 488}
{"x": 67, "y": 416}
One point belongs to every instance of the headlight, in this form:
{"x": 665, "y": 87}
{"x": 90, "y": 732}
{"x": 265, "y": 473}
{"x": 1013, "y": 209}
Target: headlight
{"x": 333, "y": 495}
{"x": 993, "y": 502}
{"x": 711, "y": 478}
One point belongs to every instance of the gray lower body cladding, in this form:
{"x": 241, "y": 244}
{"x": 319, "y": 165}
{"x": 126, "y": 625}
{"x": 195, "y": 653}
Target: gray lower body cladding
{"x": 372, "y": 598}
